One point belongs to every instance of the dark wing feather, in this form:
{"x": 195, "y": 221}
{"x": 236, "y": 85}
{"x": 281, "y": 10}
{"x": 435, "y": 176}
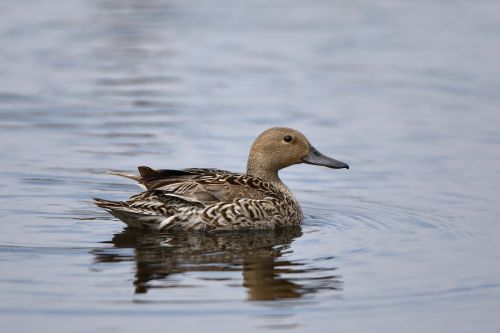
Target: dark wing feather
{"x": 207, "y": 186}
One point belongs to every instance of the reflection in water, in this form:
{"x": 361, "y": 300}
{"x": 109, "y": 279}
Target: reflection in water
{"x": 259, "y": 255}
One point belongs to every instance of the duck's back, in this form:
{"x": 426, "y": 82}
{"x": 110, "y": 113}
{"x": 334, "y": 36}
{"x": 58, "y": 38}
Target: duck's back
{"x": 208, "y": 185}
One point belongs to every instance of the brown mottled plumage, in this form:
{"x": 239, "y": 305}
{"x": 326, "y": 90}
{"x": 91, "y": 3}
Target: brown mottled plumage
{"x": 211, "y": 199}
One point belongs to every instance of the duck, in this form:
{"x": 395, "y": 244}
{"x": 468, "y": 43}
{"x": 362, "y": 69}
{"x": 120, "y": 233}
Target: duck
{"x": 210, "y": 200}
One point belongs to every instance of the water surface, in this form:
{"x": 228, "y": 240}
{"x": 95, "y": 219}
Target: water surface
{"x": 407, "y": 93}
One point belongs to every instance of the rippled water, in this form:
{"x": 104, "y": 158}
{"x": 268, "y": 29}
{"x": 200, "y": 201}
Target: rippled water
{"x": 407, "y": 93}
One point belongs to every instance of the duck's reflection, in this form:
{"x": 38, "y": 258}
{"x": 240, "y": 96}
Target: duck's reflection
{"x": 260, "y": 256}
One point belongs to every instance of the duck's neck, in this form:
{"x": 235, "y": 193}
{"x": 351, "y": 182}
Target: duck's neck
{"x": 256, "y": 168}
{"x": 264, "y": 174}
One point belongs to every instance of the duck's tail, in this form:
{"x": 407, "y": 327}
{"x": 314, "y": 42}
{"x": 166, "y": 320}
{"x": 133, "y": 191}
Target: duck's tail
{"x": 133, "y": 217}
{"x": 138, "y": 179}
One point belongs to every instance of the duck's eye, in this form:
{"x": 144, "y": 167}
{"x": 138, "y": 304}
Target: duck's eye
{"x": 287, "y": 138}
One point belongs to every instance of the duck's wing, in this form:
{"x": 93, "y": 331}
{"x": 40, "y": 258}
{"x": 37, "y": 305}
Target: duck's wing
{"x": 206, "y": 186}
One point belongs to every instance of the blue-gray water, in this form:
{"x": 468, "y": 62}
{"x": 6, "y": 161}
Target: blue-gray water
{"x": 406, "y": 92}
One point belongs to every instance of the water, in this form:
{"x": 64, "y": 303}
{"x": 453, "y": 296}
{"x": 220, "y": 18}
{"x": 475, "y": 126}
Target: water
{"x": 407, "y": 93}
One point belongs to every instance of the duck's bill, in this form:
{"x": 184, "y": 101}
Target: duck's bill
{"x": 316, "y": 158}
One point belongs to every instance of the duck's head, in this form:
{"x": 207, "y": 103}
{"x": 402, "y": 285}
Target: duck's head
{"x": 279, "y": 147}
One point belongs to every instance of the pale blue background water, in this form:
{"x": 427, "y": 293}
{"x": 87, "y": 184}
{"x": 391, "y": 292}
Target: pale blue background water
{"x": 408, "y": 93}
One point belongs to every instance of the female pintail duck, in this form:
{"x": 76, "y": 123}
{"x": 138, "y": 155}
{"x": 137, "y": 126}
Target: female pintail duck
{"x": 211, "y": 199}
